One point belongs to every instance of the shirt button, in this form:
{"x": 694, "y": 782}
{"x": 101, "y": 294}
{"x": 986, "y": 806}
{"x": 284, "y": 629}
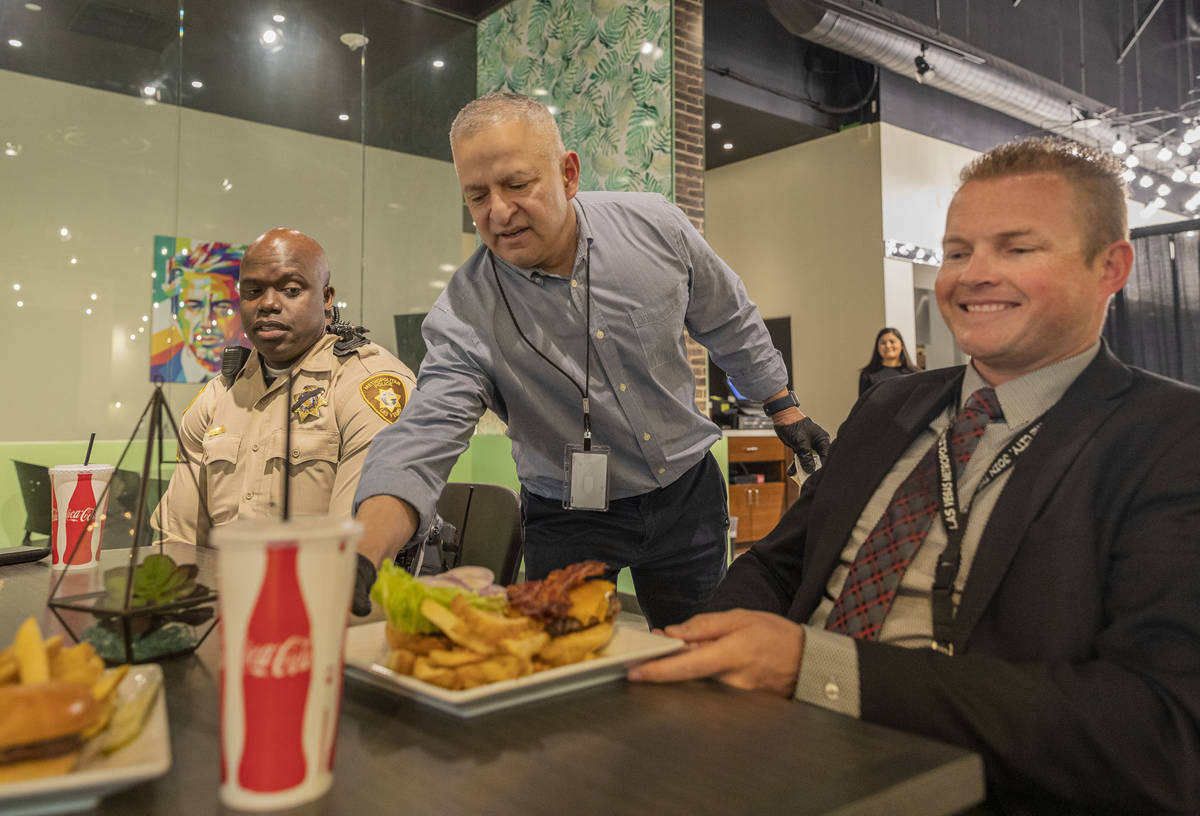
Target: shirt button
{"x": 832, "y": 691}
{"x": 254, "y": 448}
{"x": 600, "y": 335}
{"x": 295, "y": 453}
{"x": 661, "y": 471}
{"x": 646, "y": 437}
{"x": 249, "y": 496}
{"x": 622, "y": 386}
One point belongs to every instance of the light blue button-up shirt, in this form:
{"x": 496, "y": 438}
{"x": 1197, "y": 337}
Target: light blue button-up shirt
{"x": 652, "y": 275}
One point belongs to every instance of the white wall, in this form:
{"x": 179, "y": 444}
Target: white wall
{"x": 802, "y": 227}
{"x": 116, "y": 172}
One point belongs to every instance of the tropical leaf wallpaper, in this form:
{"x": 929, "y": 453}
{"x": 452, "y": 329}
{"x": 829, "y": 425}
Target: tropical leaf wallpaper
{"x": 604, "y": 69}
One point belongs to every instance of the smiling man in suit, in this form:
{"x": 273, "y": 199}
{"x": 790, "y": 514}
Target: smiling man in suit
{"x": 1034, "y": 517}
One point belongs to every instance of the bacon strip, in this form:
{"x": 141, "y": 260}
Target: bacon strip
{"x": 548, "y": 599}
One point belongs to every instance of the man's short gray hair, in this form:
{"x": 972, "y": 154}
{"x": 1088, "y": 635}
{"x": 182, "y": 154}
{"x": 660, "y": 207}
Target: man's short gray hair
{"x": 498, "y": 108}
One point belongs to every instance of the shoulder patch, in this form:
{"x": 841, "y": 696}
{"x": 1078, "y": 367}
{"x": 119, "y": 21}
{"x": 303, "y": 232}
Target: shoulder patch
{"x": 385, "y": 394}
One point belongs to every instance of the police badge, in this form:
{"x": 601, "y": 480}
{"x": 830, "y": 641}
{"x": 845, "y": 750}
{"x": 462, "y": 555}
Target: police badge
{"x": 309, "y": 403}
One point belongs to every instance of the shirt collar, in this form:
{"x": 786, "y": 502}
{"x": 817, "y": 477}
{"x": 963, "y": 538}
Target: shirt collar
{"x": 1027, "y": 397}
{"x": 316, "y": 360}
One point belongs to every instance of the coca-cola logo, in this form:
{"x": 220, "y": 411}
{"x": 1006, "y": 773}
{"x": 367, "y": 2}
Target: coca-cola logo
{"x": 80, "y": 515}
{"x": 279, "y": 660}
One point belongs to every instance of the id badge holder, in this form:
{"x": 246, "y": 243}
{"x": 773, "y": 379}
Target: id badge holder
{"x": 586, "y": 483}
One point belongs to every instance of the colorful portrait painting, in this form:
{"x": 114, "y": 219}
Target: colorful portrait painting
{"x": 195, "y": 308}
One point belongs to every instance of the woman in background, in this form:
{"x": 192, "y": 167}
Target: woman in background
{"x": 889, "y": 359}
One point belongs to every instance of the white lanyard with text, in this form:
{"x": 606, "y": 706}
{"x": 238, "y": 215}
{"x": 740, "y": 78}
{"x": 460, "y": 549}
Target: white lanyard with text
{"x": 954, "y": 520}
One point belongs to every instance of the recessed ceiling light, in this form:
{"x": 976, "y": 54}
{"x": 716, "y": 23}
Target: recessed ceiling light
{"x": 197, "y": 84}
{"x": 353, "y": 40}
{"x": 148, "y": 90}
{"x": 16, "y": 287}
{"x": 728, "y": 145}
{"x": 33, "y": 7}
{"x": 15, "y": 43}
{"x": 269, "y": 36}
{"x": 345, "y": 117}
{"x": 279, "y": 18}
{"x": 1164, "y": 189}
{"x": 1146, "y": 180}
{"x": 647, "y": 47}
{"x": 437, "y": 63}
{"x": 20, "y": 303}
{"x": 12, "y": 149}
{"x": 553, "y": 109}
{"x": 93, "y": 295}
{"x": 87, "y": 311}
{"x": 715, "y": 126}
{"x": 74, "y": 261}
{"x": 540, "y": 92}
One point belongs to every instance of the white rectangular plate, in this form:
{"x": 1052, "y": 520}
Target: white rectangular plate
{"x": 148, "y": 756}
{"x": 366, "y": 650}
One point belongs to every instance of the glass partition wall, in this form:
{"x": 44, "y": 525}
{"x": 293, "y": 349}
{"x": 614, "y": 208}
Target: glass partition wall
{"x": 146, "y": 131}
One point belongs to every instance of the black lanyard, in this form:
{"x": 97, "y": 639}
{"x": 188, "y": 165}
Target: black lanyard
{"x": 585, "y": 389}
{"x": 954, "y": 520}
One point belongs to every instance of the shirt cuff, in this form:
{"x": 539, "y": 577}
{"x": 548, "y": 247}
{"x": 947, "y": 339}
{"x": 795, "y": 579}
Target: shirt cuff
{"x": 829, "y": 672}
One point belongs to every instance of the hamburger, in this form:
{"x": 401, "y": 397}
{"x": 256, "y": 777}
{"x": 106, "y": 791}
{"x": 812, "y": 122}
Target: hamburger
{"x": 578, "y": 613}
{"x": 41, "y": 728}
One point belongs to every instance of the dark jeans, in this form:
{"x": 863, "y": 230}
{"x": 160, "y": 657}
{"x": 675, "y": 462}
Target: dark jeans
{"x": 673, "y": 539}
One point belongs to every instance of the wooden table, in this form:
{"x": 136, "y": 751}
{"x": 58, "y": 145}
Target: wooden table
{"x": 690, "y": 748}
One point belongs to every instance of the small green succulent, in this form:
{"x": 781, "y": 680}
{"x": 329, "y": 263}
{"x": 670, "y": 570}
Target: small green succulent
{"x": 157, "y": 580}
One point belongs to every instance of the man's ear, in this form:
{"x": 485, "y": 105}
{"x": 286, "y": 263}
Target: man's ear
{"x": 1116, "y": 262}
{"x": 329, "y": 293}
{"x": 570, "y": 172}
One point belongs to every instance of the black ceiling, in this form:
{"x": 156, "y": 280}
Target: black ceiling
{"x": 768, "y": 88}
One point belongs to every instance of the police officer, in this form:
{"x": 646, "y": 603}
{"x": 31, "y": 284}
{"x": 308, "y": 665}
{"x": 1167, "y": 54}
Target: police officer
{"x": 343, "y": 389}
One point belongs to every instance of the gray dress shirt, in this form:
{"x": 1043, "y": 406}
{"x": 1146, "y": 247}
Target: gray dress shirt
{"x": 652, "y": 276}
{"x": 829, "y": 670}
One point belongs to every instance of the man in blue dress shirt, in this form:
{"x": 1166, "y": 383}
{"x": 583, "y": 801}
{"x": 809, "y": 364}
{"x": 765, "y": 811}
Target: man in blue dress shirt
{"x": 569, "y": 323}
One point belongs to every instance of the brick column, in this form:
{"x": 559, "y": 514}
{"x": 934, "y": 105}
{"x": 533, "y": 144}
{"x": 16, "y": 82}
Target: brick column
{"x": 689, "y": 145}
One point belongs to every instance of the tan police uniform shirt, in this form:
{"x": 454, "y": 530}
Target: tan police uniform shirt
{"x": 233, "y": 438}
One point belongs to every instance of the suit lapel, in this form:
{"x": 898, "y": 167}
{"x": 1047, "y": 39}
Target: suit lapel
{"x": 1067, "y": 428}
{"x": 855, "y": 471}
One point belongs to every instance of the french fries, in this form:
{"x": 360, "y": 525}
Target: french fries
{"x": 481, "y": 647}
{"x": 30, "y": 660}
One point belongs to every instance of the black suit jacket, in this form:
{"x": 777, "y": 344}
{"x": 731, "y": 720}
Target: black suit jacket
{"x": 1076, "y": 672}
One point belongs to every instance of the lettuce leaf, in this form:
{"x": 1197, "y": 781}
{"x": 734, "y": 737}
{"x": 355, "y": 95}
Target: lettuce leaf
{"x": 400, "y": 596}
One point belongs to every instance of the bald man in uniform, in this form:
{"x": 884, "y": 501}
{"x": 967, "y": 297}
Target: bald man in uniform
{"x": 345, "y": 389}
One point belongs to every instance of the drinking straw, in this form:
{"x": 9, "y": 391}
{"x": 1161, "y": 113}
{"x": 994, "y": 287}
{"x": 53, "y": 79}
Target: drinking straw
{"x": 287, "y": 446}
{"x": 87, "y": 457}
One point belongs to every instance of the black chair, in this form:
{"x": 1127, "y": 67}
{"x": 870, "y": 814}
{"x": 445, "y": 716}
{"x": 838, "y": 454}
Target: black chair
{"x": 122, "y": 506}
{"x": 35, "y": 492}
{"x": 488, "y": 520}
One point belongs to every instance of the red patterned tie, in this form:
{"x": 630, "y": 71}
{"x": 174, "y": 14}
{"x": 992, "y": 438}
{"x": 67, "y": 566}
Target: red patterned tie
{"x": 882, "y": 559}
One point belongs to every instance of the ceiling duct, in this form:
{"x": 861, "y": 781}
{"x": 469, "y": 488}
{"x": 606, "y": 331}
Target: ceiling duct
{"x": 865, "y": 30}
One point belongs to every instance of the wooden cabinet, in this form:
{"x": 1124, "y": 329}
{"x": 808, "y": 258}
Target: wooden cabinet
{"x": 758, "y": 506}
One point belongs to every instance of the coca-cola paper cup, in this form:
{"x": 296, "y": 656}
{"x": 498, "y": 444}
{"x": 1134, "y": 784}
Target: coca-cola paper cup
{"x": 76, "y": 524}
{"x": 284, "y": 589}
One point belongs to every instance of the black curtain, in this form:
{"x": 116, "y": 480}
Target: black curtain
{"x": 1154, "y": 322}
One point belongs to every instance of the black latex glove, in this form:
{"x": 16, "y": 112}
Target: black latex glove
{"x": 805, "y": 438}
{"x": 364, "y": 579}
